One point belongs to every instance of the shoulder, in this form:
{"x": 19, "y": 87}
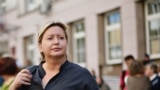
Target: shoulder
{"x": 130, "y": 79}
{"x": 84, "y": 75}
{"x": 81, "y": 71}
{"x": 77, "y": 67}
{"x": 146, "y": 80}
{"x": 135, "y": 79}
{"x": 158, "y": 78}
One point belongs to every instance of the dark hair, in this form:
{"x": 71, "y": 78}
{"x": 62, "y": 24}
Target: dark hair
{"x": 146, "y": 55}
{"x": 129, "y": 57}
{"x": 47, "y": 26}
{"x": 136, "y": 67}
{"x": 154, "y": 67}
{"x": 8, "y": 66}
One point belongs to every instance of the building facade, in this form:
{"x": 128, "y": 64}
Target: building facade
{"x": 101, "y": 32}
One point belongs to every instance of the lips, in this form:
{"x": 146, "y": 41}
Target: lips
{"x": 56, "y": 49}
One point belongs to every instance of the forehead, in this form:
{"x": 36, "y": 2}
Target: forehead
{"x": 129, "y": 60}
{"x": 148, "y": 66}
{"x": 54, "y": 30}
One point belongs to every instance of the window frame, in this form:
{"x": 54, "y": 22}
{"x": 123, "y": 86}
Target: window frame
{"x": 28, "y": 6}
{"x": 4, "y": 47}
{"x": 29, "y": 47}
{"x": 78, "y": 35}
{"x": 149, "y": 18}
{"x": 109, "y": 28}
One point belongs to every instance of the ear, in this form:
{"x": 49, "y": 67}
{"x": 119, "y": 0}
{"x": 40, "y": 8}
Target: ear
{"x": 40, "y": 47}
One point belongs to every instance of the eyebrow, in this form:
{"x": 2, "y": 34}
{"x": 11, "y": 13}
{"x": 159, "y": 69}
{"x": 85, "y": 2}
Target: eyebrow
{"x": 54, "y": 35}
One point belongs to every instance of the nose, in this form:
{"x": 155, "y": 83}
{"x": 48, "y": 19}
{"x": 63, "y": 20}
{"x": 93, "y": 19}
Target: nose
{"x": 56, "y": 41}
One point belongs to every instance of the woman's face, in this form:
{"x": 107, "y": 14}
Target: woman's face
{"x": 54, "y": 42}
{"x": 148, "y": 71}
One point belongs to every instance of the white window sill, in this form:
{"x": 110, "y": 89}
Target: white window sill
{"x": 155, "y": 56}
{"x": 113, "y": 61}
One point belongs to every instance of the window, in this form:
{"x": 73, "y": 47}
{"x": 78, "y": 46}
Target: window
{"x": 4, "y": 47}
{"x": 30, "y": 5}
{"x": 29, "y": 49}
{"x": 79, "y": 42}
{"x": 153, "y": 28}
{"x": 153, "y": 7}
{"x": 113, "y": 42}
{"x": 2, "y": 6}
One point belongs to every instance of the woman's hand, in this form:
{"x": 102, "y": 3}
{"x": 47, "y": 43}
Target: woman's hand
{"x": 23, "y": 78}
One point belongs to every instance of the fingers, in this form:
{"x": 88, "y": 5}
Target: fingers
{"x": 23, "y": 78}
{"x": 25, "y": 71}
{"x": 26, "y": 75}
{"x": 26, "y": 79}
{"x": 26, "y": 83}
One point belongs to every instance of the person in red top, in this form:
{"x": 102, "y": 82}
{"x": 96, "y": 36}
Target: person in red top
{"x": 125, "y": 73}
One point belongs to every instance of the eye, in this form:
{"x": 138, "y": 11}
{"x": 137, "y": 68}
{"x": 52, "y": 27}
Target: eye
{"x": 61, "y": 38}
{"x": 50, "y": 38}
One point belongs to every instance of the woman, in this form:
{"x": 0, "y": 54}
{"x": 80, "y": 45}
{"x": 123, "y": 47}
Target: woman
{"x": 136, "y": 80}
{"x": 8, "y": 71}
{"x": 55, "y": 72}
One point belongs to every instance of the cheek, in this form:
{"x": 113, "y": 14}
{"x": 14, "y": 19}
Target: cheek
{"x": 45, "y": 46}
{"x": 65, "y": 48}
{"x": 127, "y": 63}
{"x": 64, "y": 45}
{"x": 148, "y": 71}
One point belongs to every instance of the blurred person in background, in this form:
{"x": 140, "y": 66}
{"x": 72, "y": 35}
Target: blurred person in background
{"x": 158, "y": 70}
{"x": 102, "y": 85}
{"x": 100, "y": 82}
{"x": 55, "y": 72}
{"x": 125, "y": 73}
{"x": 8, "y": 71}
{"x": 1, "y": 81}
{"x": 18, "y": 62}
{"x": 146, "y": 59}
{"x": 137, "y": 80}
{"x": 28, "y": 63}
{"x": 93, "y": 74}
{"x": 152, "y": 72}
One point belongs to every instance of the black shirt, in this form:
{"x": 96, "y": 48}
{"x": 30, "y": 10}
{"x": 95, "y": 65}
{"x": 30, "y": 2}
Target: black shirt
{"x": 70, "y": 77}
{"x": 155, "y": 83}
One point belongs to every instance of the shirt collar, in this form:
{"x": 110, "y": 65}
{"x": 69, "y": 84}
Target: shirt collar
{"x": 42, "y": 71}
{"x": 153, "y": 76}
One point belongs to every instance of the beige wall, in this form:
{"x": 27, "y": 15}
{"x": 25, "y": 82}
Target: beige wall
{"x": 69, "y": 11}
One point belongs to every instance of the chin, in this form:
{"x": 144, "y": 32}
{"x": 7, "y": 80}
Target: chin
{"x": 58, "y": 55}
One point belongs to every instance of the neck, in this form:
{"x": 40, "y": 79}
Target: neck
{"x": 54, "y": 63}
{"x": 152, "y": 74}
